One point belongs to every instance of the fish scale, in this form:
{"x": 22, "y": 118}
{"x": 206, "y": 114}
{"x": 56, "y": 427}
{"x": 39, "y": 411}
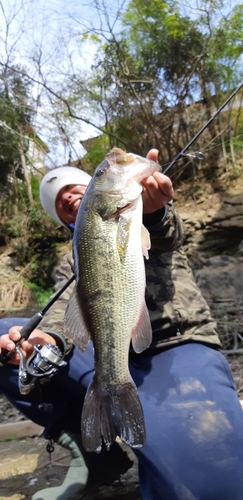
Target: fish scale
{"x": 114, "y": 287}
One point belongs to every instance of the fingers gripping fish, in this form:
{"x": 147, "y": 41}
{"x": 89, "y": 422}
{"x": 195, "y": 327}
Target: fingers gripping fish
{"x": 108, "y": 304}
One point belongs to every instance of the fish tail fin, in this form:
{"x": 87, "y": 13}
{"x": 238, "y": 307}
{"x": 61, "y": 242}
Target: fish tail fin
{"x": 110, "y": 413}
{"x": 129, "y": 417}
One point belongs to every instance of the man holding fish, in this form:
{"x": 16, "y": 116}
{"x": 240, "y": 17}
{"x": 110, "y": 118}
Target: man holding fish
{"x": 174, "y": 403}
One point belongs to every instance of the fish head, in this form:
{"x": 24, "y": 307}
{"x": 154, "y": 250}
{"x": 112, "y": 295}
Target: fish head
{"x": 118, "y": 180}
{"x": 114, "y": 188}
{"x": 132, "y": 165}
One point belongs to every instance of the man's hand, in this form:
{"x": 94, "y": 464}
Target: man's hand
{"x": 157, "y": 188}
{"x": 8, "y": 341}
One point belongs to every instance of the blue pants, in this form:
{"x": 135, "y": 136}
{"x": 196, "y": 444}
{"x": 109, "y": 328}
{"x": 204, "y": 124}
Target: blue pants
{"x": 194, "y": 422}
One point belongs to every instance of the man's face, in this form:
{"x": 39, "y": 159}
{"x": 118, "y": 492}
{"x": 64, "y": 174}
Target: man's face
{"x": 68, "y": 200}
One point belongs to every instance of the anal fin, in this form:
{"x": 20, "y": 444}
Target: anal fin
{"x": 146, "y": 243}
{"x": 142, "y": 333}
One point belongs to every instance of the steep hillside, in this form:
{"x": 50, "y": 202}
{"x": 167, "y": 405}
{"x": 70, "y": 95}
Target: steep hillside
{"x": 213, "y": 217}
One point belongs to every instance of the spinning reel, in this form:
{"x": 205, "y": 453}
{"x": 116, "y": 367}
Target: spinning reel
{"x": 42, "y": 364}
{"x": 45, "y": 360}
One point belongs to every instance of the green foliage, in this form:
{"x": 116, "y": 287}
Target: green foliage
{"x": 23, "y": 252}
{"x": 165, "y": 61}
{"x": 98, "y": 148}
{"x": 162, "y": 38}
{"x": 35, "y": 187}
{"x": 14, "y": 226}
{"x": 40, "y": 295}
{"x": 37, "y": 221}
{"x": 15, "y": 112}
{"x": 10, "y": 157}
{"x": 36, "y": 238}
{"x": 90, "y": 37}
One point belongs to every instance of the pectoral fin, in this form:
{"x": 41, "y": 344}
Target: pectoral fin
{"x": 146, "y": 243}
{"x": 142, "y": 333}
{"x": 74, "y": 323}
{"x": 123, "y": 229}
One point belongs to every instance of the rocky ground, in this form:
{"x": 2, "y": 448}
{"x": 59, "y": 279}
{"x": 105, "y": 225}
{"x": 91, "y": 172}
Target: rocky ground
{"x": 213, "y": 216}
{"x": 25, "y": 468}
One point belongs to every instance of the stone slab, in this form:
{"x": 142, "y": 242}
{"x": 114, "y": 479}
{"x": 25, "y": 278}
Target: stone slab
{"x": 16, "y": 430}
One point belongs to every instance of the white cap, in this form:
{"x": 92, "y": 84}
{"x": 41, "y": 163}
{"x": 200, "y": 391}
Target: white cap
{"x": 55, "y": 180}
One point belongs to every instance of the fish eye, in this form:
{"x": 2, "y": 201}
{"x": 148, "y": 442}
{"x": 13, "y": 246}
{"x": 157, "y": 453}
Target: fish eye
{"x": 100, "y": 172}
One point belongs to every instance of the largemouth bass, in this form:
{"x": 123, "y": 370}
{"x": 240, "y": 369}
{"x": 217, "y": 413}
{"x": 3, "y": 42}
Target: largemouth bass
{"x": 108, "y": 302}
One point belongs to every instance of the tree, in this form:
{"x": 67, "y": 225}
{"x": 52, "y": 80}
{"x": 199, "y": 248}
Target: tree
{"x": 162, "y": 64}
{"x": 16, "y": 114}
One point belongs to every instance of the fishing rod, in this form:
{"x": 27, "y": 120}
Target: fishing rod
{"x": 198, "y": 154}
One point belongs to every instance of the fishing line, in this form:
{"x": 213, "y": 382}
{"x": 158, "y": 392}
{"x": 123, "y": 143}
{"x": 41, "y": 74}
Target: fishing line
{"x": 200, "y": 155}
{"x": 178, "y": 157}
{"x": 180, "y": 169}
{"x": 225, "y": 142}
{"x": 196, "y": 155}
{"x": 222, "y": 132}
